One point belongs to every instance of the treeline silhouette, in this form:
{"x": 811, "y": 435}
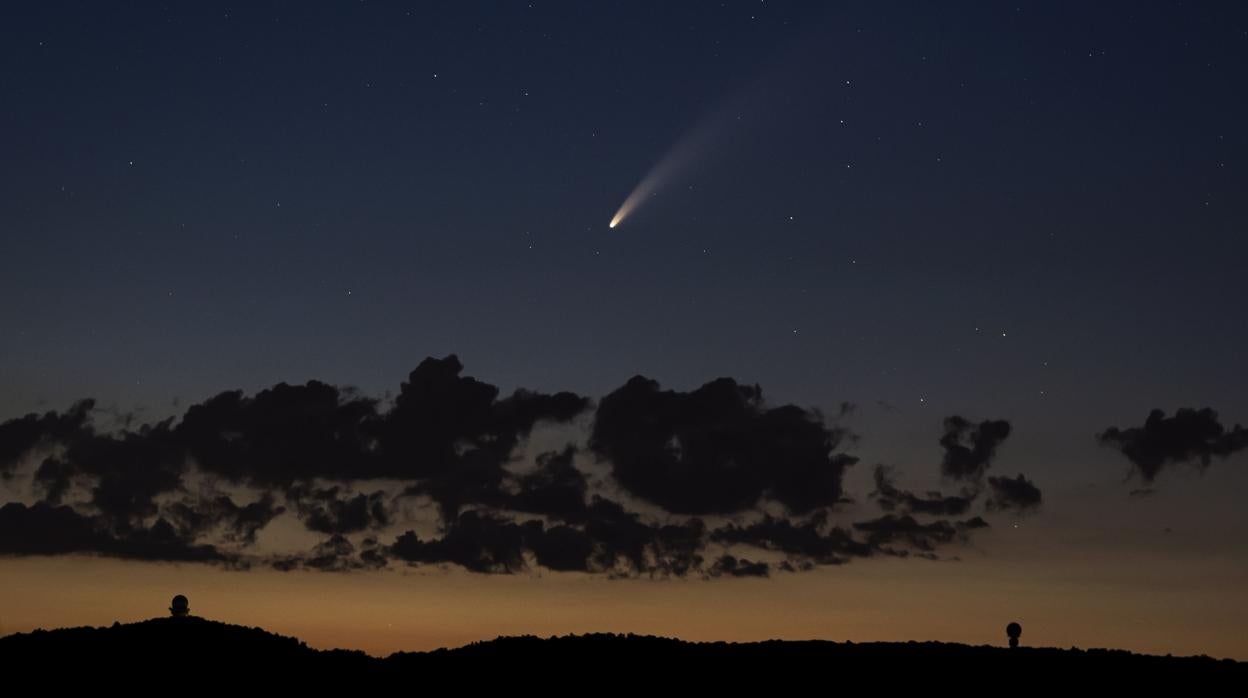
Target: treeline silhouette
{"x": 200, "y": 652}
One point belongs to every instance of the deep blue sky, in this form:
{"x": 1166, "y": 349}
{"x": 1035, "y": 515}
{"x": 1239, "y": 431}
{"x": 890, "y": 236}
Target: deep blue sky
{"x": 1030, "y": 209}
{"x": 205, "y": 195}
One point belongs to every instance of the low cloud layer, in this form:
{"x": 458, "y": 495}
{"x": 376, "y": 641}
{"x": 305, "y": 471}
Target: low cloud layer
{"x": 714, "y": 482}
{"x": 46, "y": 529}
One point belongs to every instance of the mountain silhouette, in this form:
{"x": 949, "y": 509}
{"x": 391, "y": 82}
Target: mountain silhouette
{"x": 202, "y": 652}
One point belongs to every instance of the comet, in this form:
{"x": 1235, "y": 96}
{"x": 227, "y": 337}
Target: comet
{"x": 678, "y": 159}
{"x": 776, "y": 84}
{"x": 698, "y": 144}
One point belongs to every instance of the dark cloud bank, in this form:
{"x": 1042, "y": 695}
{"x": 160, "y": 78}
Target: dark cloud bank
{"x": 1191, "y": 436}
{"x": 713, "y": 482}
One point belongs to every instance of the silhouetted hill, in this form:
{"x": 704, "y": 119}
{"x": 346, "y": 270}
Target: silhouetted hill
{"x": 204, "y": 652}
{"x": 171, "y": 645}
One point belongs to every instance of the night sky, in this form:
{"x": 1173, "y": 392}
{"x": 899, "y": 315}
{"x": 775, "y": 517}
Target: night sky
{"x": 875, "y": 352}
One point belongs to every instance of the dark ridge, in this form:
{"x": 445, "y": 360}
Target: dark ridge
{"x": 201, "y": 652}
{"x": 167, "y": 644}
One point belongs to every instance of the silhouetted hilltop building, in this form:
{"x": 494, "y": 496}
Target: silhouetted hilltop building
{"x": 1014, "y": 631}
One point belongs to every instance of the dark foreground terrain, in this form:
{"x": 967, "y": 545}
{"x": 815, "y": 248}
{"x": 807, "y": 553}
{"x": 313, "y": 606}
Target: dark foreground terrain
{"x": 194, "y": 653}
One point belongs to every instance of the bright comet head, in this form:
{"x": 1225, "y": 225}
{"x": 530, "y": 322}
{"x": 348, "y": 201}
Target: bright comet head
{"x": 643, "y": 189}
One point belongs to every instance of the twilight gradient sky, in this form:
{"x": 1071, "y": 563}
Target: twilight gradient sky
{"x": 1032, "y": 212}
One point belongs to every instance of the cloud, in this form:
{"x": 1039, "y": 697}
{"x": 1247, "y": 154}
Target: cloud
{"x": 563, "y": 548}
{"x": 891, "y": 529}
{"x": 623, "y": 544}
{"x": 891, "y": 498}
{"x": 698, "y": 483}
{"x": 441, "y": 420}
{"x": 555, "y": 488}
{"x": 322, "y": 510}
{"x": 1191, "y": 436}
{"x": 811, "y": 541}
{"x": 194, "y": 517}
{"x": 442, "y": 424}
{"x": 44, "y": 529}
{"x": 454, "y": 434}
{"x": 815, "y": 542}
{"x": 970, "y": 447}
{"x": 718, "y": 449}
{"x": 1019, "y": 494}
{"x": 124, "y": 472}
{"x": 24, "y": 434}
{"x": 609, "y": 540}
{"x": 283, "y": 435}
{"x": 475, "y": 541}
{"x": 730, "y": 566}
{"x": 334, "y": 554}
